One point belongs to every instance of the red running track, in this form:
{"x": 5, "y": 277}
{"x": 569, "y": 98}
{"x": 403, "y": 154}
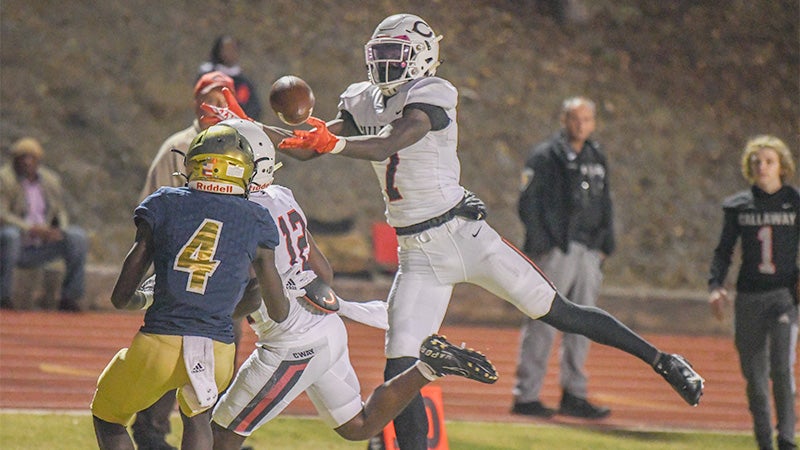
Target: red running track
{"x": 51, "y": 360}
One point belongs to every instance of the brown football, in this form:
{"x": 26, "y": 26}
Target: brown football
{"x": 292, "y": 99}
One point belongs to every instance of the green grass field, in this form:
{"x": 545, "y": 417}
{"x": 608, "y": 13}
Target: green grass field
{"x": 24, "y": 431}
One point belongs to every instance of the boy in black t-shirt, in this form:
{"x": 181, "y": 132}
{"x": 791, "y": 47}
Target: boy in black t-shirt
{"x": 765, "y": 217}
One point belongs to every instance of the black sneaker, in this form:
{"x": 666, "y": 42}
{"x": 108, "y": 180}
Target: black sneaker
{"x": 447, "y": 359}
{"x": 786, "y": 445}
{"x": 574, "y": 406}
{"x": 679, "y": 373}
{"x": 534, "y": 409}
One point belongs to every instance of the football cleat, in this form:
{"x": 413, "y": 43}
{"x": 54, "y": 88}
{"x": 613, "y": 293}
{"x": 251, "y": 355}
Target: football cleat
{"x": 681, "y": 376}
{"x": 447, "y": 359}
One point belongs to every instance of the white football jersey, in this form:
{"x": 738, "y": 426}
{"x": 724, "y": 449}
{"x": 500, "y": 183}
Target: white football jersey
{"x": 293, "y": 248}
{"x": 420, "y": 181}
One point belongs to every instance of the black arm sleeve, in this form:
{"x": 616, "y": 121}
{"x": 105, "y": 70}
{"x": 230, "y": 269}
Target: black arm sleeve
{"x": 349, "y": 127}
{"x": 436, "y": 114}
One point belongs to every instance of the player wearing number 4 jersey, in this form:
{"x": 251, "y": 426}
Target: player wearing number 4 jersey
{"x": 765, "y": 217}
{"x": 201, "y": 240}
{"x": 307, "y": 352}
{"x": 404, "y": 122}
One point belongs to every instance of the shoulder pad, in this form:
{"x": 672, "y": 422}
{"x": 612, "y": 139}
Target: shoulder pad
{"x": 432, "y": 91}
{"x": 739, "y": 200}
{"x": 355, "y": 89}
{"x": 282, "y": 190}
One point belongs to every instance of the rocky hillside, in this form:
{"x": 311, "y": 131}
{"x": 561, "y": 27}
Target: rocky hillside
{"x": 681, "y": 85}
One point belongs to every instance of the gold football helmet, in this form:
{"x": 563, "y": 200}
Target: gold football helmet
{"x": 221, "y": 161}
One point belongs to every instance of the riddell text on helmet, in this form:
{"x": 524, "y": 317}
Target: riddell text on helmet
{"x": 214, "y": 187}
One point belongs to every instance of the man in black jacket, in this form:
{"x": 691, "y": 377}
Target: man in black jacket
{"x": 566, "y": 208}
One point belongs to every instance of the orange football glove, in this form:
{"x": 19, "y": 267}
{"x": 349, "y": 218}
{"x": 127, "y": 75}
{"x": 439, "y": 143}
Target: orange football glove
{"x": 319, "y": 138}
{"x": 216, "y": 114}
{"x": 234, "y": 105}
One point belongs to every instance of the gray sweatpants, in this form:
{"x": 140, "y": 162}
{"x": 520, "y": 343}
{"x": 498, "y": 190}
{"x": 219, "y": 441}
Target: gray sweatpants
{"x": 766, "y": 339}
{"x": 576, "y": 274}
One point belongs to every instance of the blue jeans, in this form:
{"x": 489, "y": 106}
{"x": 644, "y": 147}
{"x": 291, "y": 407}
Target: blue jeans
{"x": 72, "y": 249}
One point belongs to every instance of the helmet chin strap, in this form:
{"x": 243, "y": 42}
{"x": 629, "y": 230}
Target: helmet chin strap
{"x": 175, "y": 174}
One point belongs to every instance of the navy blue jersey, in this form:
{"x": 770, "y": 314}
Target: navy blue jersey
{"x": 770, "y": 232}
{"x": 204, "y": 245}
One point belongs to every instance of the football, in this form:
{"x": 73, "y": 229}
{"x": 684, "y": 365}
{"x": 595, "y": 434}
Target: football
{"x": 320, "y": 297}
{"x": 292, "y": 99}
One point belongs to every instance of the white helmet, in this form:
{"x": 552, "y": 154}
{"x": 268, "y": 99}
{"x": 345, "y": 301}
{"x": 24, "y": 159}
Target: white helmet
{"x": 263, "y": 151}
{"x": 403, "y": 47}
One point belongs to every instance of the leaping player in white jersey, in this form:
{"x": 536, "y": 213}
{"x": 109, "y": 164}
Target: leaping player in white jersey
{"x": 403, "y": 120}
{"x": 308, "y": 351}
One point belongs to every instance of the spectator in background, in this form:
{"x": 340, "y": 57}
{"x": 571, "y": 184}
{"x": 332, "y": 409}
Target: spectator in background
{"x": 566, "y": 208}
{"x": 152, "y": 426}
{"x": 225, "y": 58}
{"x": 167, "y": 163}
{"x": 34, "y": 224}
{"x": 765, "y": 217}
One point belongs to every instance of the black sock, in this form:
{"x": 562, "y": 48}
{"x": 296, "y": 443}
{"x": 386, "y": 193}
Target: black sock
{"x": 599, "y": 326}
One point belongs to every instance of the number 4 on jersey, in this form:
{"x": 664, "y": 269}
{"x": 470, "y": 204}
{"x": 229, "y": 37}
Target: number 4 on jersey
{"x": 197, "y": 256}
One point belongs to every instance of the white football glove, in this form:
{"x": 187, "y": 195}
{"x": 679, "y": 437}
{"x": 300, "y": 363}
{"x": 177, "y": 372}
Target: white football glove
{"x": 295, "y": 279}
{"x": 143, "y": 297}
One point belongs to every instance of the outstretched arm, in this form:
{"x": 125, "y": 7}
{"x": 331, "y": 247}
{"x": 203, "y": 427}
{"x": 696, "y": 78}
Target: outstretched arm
{"x": 301, "y": 144}
{"x": 403, "y": 132}
{"x": 215, "y": 114}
